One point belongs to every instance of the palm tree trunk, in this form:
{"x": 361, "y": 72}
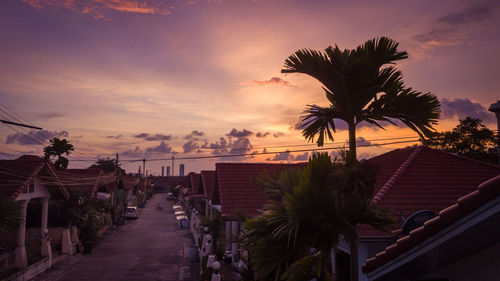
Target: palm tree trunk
{"x": 351, "y": 157}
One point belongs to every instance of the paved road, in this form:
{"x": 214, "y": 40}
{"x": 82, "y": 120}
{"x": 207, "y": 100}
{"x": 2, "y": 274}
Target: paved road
{"x": 149, "y": 248}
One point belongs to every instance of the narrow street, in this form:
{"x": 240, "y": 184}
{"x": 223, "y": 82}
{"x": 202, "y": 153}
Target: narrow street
{"x": 149, "y": 248}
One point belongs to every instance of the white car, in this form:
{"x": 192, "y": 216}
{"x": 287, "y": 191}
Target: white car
{"x": 131, "y": 212}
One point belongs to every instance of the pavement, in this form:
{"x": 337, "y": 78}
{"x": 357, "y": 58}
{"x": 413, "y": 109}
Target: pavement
{"x": 149, "y": 248}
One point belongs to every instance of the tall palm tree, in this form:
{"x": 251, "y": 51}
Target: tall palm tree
{"x": 309, "y": 210}
{"x": 362, "y": 85}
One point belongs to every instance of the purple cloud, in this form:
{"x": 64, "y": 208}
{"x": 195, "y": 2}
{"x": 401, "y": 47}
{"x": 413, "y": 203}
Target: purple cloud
{"x": 194, "y": 135}
{"x": 262, "y": 135}
{"x": 461, "y": 108}
{"x": 272, "y": 81}
{"x": 239, "y": 134}
{"x": 35, "y": 137}
{"x": 190, "y": 146}
{"x": 156, "y": 137}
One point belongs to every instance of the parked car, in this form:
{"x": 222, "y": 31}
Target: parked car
{"x": 170, "y": 196}
{"x": 131, "y": 213}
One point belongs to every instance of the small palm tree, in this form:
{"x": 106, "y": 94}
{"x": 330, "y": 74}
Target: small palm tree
{"x": 57, "y": 148}
{"x": 309, "y": 210}
{"x": 361, "y": 88}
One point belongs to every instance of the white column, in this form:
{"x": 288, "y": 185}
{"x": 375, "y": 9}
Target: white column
{"x": 21, "y": 261}
{"x": 46, "y": 247}
{"x": 235, "y": 225}
{"x": 228, "y": 235}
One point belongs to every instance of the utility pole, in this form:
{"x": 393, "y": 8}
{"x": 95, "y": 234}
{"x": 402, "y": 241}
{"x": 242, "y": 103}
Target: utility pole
{"x": 144, "y": 167}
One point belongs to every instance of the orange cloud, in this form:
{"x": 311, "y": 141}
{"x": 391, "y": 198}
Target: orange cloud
{"x": 98, "y": 8}
{"x": 272, "y": 81}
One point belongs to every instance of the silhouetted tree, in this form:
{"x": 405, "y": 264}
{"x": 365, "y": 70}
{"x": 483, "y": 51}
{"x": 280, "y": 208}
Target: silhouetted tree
{"x": 10, "y": 214}
{"x": 57, "y": 148}
{"x": 361, "y": 88}
{"x": 310, "y": 209}
{"x": 107, "y": 165}
{"x": 469, "y": 138}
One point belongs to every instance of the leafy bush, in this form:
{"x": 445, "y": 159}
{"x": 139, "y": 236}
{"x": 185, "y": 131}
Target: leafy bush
{"x": 10, "y": 214}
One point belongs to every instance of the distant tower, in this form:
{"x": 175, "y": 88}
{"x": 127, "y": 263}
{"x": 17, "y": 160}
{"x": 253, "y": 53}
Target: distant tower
{"x": 495, "y": 107}
{"x": 168, "y": 171}
{"x": 162, "y": 171}
{"x": 181, "y": 170}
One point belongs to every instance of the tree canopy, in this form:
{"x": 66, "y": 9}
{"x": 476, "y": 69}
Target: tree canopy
{"x": 469, "y": 138}
{"x": 310, "y": 209}
{"x": 107, "y": 165}
{"x": 57, "y": 148}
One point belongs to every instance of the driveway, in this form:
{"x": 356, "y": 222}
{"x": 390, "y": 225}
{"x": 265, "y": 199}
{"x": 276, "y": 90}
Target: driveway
{"x": 149, "y": 248}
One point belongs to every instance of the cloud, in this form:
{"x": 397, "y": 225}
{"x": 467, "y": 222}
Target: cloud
{"x": 35, "y": 137}
{"x": 287, "y": 156}
{"x": 262, "y": 135}
{"x": 156, "y": 137}
{"x": 48, "y": 115}
{"x": 239, "y": 134}
{"x": 461, "y": 108}
{"x": 272, "y": 81}
{"x": 453, "y": 28}
{"x": 190, "y": 146}
{"x": 118, "y": 137}
{"x": 194, "y": 135}
{"x": 278, "y": 134}
{"x": 162, "y": 148}
{"x": 360, "y": 141}
{"x": 99, "y": 8}
{"x": 239, "y": 146}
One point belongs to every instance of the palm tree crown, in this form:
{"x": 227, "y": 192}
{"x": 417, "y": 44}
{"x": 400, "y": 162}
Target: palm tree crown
{"x": 361, "y": 85}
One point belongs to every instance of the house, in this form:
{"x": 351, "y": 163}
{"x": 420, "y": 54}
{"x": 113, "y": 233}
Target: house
{"x": 413, "y": 179}
{"x": 31, "y": 178}
{"x": 209, "y": 181}
{"x": 164, "y": 184}
{"x": 240, "y": 197}
{"x": 461, "y": 243}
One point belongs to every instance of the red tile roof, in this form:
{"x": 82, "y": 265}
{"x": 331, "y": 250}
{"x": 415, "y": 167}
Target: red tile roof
{"x": 196, "y": 187}
{"x": 420, "y": 178}
{"x": 208, "y": 179}
{"x": 463, "y": 206}
{"x": 80, "y": 180}
{"x": 16, "y": 174}
{"x": 238, "y": 194}
{"x": 129, "y": 182}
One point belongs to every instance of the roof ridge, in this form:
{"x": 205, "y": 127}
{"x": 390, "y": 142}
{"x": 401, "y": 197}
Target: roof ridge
{"x": 380, "y": 194}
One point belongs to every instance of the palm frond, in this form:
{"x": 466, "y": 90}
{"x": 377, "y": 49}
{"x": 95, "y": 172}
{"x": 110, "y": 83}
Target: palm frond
{"x": 318, "y": 121}
{"x": 416, "y": 110}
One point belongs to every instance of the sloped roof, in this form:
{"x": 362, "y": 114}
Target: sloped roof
{"x": 208, "y": 179}
{"x": 195, "y": 183}
{"x": 420, "y": 178}
{"x": 80, "y": 180}
{"x": 16, "y": 174}
{"x": 238, "y": 194}
{"x": 129, "y": 182}
{"x": 463, "y": 206}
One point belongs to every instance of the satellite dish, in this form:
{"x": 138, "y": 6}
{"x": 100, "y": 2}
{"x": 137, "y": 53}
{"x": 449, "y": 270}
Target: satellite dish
{"x": 417, "y": 220}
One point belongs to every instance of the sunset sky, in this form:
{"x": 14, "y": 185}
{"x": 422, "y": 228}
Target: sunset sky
{"x": 156, "y": 78}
